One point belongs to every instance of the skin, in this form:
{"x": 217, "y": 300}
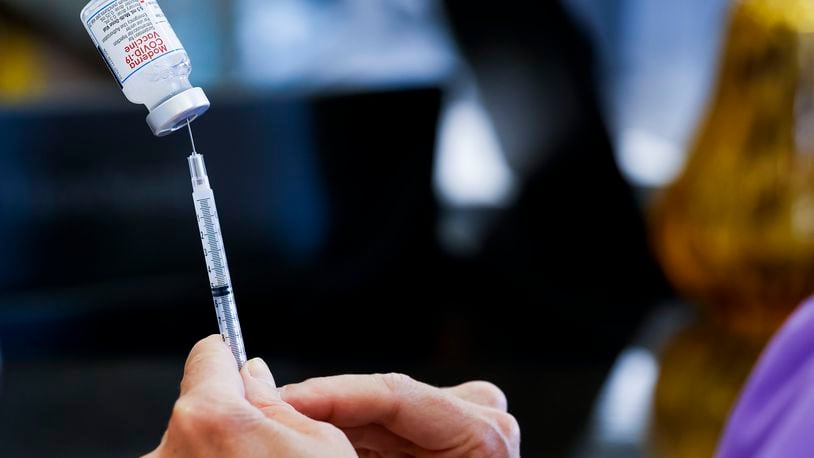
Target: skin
{"x": 392, "y": 415}
{"x": 225, "y": 413}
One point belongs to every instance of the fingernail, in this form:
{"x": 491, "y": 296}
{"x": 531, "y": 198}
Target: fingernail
{"x": 260, "y": 370}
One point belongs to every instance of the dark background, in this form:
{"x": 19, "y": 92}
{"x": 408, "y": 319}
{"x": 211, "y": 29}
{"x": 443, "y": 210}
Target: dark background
{"x": 331, "y": 225}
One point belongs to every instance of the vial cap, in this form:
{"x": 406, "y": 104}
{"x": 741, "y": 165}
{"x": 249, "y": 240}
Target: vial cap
{"x": 173, "y": 113}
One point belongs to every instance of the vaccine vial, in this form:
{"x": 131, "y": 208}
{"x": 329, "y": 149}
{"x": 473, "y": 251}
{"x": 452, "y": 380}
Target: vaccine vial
{"x": 147, "y": 59}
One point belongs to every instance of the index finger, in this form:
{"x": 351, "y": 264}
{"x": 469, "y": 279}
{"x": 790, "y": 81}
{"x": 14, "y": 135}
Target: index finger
{"x": 211, "y": 369}
{"x": 424, "y": 415}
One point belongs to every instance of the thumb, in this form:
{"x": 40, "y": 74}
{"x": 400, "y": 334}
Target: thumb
{"x": 261, "y": 390}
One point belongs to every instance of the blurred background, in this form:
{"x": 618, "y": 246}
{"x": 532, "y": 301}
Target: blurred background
{"x": 604, "y": 207}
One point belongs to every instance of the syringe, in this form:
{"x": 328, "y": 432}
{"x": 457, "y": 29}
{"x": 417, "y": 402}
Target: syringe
{"x": 215, "y": 256}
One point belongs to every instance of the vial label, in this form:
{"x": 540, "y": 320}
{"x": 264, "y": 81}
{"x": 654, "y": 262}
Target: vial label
{"x": 130, "y": 34}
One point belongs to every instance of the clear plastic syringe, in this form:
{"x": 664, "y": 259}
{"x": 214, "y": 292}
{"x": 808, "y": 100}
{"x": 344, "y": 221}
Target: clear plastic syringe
{"x": 215, "y": 256}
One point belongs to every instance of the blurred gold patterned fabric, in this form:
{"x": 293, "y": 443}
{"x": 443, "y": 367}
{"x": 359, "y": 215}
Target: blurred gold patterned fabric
{"x": 702, "y": 371}
{"x": 735, "y": 232}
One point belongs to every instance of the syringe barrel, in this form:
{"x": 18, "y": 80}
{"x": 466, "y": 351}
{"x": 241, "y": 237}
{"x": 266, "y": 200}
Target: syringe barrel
{"x": 217, "y": 267}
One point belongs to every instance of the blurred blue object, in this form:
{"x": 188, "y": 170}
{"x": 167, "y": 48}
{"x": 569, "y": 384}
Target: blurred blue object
{"x": 201, "y": 26}
{"x": 659, "y": 60}
{"x": 345, "y": 43}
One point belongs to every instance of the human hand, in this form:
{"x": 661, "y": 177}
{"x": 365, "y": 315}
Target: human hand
{"x": 225, "y": 413}
{"x": 394, "y": 415}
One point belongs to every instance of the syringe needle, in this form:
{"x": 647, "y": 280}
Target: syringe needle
{"x": 191, "y": 138}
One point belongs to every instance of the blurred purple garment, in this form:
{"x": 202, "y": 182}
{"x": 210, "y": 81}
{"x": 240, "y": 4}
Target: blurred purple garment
{"x": 774, "y": 416}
